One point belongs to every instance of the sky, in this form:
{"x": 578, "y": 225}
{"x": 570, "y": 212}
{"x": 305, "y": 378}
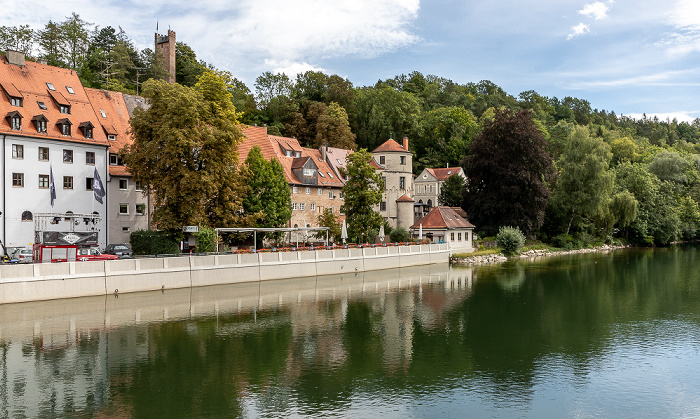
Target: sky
{"x": 627, "y": 56}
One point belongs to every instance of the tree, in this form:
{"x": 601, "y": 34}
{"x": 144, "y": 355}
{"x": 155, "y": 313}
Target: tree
{"x": 452, "y": 191}
{"x": 76, "y": 40}
{"x": 17, "y": 38}
{"x": 268, "y": 198}
{"x": 332, "y": 128}
{"x": 384, "y": 113}
{"x": 508, "y": 169}
{"x": 187, "y": 68}
{"x": 362, "y": 192}
{"x": 585, "y": 184}
{"x": 50, "y": 40}
{"x": 444, "y": 137}
{"x": 328, "y": 219}
{"x": 184, "y": 149}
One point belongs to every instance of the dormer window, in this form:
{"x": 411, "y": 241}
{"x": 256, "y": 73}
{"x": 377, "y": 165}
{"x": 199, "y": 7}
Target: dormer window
{"x": 13, "y": 94}
{"x": 86, "y": 128}
{"x": 287, "y": 153}
{"x": 50, "y": 86}
{"x": 297, "y": 154}
{"x": 112, "y": 137}
{"x": 64, "y": 126}
{"x": 309, "y": 172}
{"x": 64, "y": 109}
{"x": 40, "y": 123}
{"x": 16, "y": 101}
{"x": 14, "y": 118}
{"x": 70, "y": 90}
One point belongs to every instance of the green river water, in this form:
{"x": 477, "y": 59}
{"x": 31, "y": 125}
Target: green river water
{"x": 613, "y": 335}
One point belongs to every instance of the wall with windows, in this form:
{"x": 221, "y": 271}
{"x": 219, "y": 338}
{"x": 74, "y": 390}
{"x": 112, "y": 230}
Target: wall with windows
{"x": 398, "y": 178}
{"x": 308, "y": 202}
{"x": 28, "y": 164}
{"x": 128, "y": 209}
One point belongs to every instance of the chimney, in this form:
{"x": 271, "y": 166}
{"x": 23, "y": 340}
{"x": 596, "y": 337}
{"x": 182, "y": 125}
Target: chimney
{"x": 324, "y": 151}
{"x": 405, "y": 143}
{"x": 15, "y": 57}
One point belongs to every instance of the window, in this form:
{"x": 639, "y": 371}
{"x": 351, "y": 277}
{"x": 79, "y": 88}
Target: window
{"x": 67, "y": 182}
{"x": 102, "y": 112}
{"x": 331, "y": 195}
{"x": 15, "y": 120}
{"x": 64, "y": 109}
{"x": 123, "y": 184}
{"x": 27, "y": 216}
{"x": 138, "y": 186}
{"x": 382, "y": 206}
{"x": 313, "y": 207}
{"x": 43, "y": 181}
{"x": 382, "y": 160}
{"x": 18, "y": 180}
{"x": 340, "y": 194}
{"x": 459, "y": 237}
{"x": 140, "y": 209}
{"x": 403, "y": 160}
{"x": 113, "y": 159}
{"x": 67, "y": 156}
{"x": 40, "y": 123}
{"x": 384, "y": 180}
{"x": 309, "y": 172}
{"x": 308, "y": 190}
{"x": 89, "y": 157}
{"x": 330, "y": 175}
{"x": 402, "y": 182}
{"x": 126, "y": 230}
{"x": 87, "y": 132}
{"x": 70, "y": 90}
{"x": 452, "y": 237}
{"x": 88, "y": 183}
{"x": 50, "y": 86}
{"x": 294, "y": 189}
{"x": 112, "y": 137}
{"x": 294, "y": 206}
{"x": 124, "y": 209}
{"x": 16, "y": 101}
{"x": 64, "y": 126}
{"x": 302, "y": 206}
{"x": 320, "y": 191}
{"x": 41, "y": 104}
{"x": 321, "y": 174}
{"x": 17, "y": 151}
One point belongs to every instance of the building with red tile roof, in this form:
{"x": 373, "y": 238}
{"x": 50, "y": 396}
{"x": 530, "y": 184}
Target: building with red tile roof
{"x": 50, "y": 131}
{"x": 395, "y": 163}
{"x": 428, "y": 185}
{"x": 446, "y": 225}
{"x": 313, "y": 179}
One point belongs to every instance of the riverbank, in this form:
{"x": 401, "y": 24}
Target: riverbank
{"x": 529, "y": 254}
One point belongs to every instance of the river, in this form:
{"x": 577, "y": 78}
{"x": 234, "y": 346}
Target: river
{"x": 585, "y": 336}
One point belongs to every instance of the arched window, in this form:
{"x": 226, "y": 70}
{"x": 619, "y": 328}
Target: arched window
{"x": 430, "y": 203}
{"x": 27, "y": 216}
{"x": 69, "y": 213}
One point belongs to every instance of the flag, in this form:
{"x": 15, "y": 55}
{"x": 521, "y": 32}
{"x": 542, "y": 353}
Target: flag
{"x": 52, "y": 186}
{"x": 98, "y": 188}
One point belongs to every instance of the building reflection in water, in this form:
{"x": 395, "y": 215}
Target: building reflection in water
{"x": 80, "y": 355}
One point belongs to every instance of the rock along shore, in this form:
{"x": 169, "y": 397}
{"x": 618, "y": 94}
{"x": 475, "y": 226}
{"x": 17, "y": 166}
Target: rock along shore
{"x": 530, "y": 254}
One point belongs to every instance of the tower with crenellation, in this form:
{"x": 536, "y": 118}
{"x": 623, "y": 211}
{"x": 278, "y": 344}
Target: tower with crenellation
{"x": 165, "y": 51}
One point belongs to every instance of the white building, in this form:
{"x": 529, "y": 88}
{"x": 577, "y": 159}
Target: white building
{"x": 49, "y": 130}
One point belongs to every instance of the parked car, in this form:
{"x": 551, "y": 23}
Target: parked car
{"x": 93, "y": 253}
{"x": 120, "y": 250}
{"x": 23, "y": 255}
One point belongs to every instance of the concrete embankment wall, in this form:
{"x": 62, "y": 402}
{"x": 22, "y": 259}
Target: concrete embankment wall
{"x": 37, "y": 282}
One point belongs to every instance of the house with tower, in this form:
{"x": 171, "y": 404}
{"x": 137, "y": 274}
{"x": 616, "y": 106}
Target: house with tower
{"x": 395, "y": 163}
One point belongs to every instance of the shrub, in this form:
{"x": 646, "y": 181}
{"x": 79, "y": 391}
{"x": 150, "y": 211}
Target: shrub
{"x": 400, "y": 234}
{"x": 206, "y": 240}
{"x": 150, "y": 242}
{"x": 510, "y": 240}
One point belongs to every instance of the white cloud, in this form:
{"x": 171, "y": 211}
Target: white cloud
{"x": 579, "y": 29}
{"x": 291, "y": 68}
{"x": 597, "y": 10}
{"x": 680, "y": 78}
{"x": 680, "y": 116}
{"x": 685, "y": 17}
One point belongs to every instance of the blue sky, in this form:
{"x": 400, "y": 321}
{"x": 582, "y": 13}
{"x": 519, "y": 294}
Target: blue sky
{"x": 630, "y": 56}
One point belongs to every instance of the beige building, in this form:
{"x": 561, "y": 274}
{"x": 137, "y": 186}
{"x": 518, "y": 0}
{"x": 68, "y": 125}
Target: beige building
{"x": 395, "y": 163}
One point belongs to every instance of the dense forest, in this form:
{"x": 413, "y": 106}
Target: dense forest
{"x": 612, "y": 178}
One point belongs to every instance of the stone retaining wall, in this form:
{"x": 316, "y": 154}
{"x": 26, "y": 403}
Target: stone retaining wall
{"x": 79, "y": 279}
{"x": 499, "y": 258}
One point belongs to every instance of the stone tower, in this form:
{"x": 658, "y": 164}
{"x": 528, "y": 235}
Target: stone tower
{"x": 165, "y": 50}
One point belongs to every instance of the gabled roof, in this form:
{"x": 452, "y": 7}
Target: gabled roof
{"x": 443, "y": 173}
{"x": 116, "y": 116}
{"x": 390, "y": 146}
{"x": 405, "y": 198}
{"x": 442, "y": 218}
{"x": 254, "y": 136}
{"x": 30, "y": 82}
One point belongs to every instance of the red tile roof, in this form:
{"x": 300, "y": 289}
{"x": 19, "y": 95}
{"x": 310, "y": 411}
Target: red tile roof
{"x": 443, "y": 173}
{"x": 390, "y": 146}
{"x": 30, "y": 81}
{"x": 405, "y": 198}
{"x": 116, "y": 119}
{"x": 442, "y": 218}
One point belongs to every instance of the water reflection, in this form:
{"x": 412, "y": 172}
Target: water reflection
{"x": 569, "y": 336}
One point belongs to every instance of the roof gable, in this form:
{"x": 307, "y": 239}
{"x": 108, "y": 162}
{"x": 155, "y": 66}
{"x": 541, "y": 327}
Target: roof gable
{"x": 442, "y": 218}
{"x": 390, "y": 146}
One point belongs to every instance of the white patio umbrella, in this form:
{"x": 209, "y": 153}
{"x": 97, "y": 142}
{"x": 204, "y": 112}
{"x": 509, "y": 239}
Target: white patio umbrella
{"x": 420, "y": 232}
{"x": 344, "y": 233}
{"x": 381, "y": 233}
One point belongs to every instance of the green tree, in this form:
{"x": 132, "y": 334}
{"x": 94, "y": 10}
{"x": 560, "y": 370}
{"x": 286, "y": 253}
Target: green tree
{"x": 76, "y": 40}
{"x": 18, "y": 38}
{"x": 362, "y": 192}
{"x": 50, "y": 41}
{"x": 384, "y": 113}
{"x": 444, "y": 137}
{"x": 184, "y": 149}
{"x": 268, "y": 198}
{"x": 452, "y": 191}
{"x": 187, "y": 68}
{"x": 332, "y": 128}
{"x": 585, "y": 184}
{"x": 508, "y": 169}
{"x": 329, "y": 219}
